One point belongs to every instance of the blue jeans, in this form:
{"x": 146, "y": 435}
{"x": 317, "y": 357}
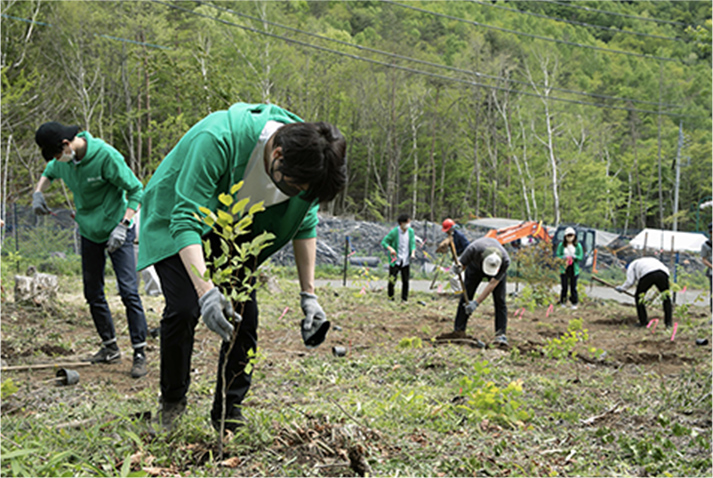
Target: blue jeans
{"x": 124, "y": 262}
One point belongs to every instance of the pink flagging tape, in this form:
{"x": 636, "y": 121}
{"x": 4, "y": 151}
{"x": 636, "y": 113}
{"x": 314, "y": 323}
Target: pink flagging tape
{"x": 440, "y": 288}
{"x": 675, "y": 328}
{"x": 684, "y": 289}
{"x": 549, "y": 310}
{"x": 363, "y": 290}
{"x": 656, "y": 323}
{"x": 522, "y": 312}
{"x": 651, "y": 322}
{"x": 284, "y": 312}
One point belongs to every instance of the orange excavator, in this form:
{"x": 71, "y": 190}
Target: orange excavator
{"x": 509, "y": 234}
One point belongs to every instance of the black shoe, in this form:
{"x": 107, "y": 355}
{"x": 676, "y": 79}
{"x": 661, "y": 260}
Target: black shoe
{"x": 232, "y": 422}
{"x": 138, "y": 369}
{"x": 105, "y": 355}
{"x": 169, "y": 412}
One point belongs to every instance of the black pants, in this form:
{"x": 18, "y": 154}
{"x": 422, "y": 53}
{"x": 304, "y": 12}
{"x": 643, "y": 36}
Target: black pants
{"x": 473, "y": 278}
{"x": 180, "y": 317}
{"x": 405, "y": 276}
{"x": 660, "y": 280}
{"x": 568, "y": 279}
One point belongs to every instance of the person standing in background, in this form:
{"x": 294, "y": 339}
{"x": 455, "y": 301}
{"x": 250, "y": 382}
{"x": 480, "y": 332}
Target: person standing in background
{"x": 401, "y": 244}
{"x": 570, "y": 250}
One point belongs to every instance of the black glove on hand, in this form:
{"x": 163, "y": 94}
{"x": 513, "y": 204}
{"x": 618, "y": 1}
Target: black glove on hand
{"x": 117, "y": 238}
{"x": 315, "y": 324}
{"x": 216, "y": 310}
{"x": 39, "y": 205}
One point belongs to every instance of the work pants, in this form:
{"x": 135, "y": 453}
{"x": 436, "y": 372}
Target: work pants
{"x": 405, "y": 277}
{"x": 569, "y": 280}
{"x": 180, "y": 317}
{"x": 473, "y": 278}
{"x": 660, "y": 280}
{"x": 124, "y": 263}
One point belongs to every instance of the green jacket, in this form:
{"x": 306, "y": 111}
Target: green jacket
{"x": 578, "y": 255}
{"x": 392, "y": 239}
{"x": 209, "y": 159}
{"x": 103, "y": 186}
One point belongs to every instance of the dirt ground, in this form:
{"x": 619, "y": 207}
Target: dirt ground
{"x": 34, "y": 336}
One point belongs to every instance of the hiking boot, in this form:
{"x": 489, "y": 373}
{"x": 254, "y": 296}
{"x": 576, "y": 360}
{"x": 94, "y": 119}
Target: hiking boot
{"x": 501, "y": 341}
{"x": 105, "y": 355}
{"x": 169, "y": 412}
{"x": 456, "y": 334}
{"x": 138, "y": 369}
{"x": 574, "y": 306}
{"x": 232, "y": 422}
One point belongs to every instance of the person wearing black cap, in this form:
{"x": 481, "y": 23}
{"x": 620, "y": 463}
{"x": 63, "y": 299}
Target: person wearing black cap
{"x": 484, "y": 258}
{"x": 107, "y": 195}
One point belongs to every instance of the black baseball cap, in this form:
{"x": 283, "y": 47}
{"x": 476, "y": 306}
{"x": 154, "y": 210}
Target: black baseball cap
{"x": 50, "y": 135}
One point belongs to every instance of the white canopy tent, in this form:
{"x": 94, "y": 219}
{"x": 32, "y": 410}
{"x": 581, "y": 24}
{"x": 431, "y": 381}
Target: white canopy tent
{"x": 661, "y": 240}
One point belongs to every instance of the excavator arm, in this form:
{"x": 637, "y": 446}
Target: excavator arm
{"x": 519, "y": 231}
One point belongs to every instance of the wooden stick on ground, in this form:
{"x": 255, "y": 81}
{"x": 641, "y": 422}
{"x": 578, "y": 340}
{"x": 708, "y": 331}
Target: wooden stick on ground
{"x": 602, "y": 281}
{"x": 46, "y": 365}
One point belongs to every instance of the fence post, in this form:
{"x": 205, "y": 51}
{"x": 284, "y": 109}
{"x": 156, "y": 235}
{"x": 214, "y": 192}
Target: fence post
{"x": 346, "y": 255}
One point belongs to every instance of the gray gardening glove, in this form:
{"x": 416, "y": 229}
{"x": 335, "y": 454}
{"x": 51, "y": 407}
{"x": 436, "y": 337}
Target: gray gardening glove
{"x": 457, "y": 268}
{"x": 315, "y": 324}
{"x": 117, "y": 238}
{"x": 470, "y": 308}
{"x": 39, "y": 205}
{"x": 216, "y": 311}
{"x": 619, "y": 288}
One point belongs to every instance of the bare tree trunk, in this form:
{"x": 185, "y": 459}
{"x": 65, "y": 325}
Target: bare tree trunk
{"x": 432, "y": 216}
{"x": 551, "y": 129}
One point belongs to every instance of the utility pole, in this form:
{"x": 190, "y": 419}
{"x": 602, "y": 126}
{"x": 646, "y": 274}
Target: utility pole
{"x": 678, "y": 176}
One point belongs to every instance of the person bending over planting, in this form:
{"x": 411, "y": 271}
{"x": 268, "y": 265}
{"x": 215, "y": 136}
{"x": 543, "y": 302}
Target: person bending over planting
{"x": 288, "y": 164}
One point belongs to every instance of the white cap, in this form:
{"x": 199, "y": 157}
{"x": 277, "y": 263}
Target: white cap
{"x": 569, "y": 230}
{"x": 491, "y": 261}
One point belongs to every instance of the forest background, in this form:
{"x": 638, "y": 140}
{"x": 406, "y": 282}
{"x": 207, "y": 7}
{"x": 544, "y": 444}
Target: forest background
{"x": 554, "y": 111}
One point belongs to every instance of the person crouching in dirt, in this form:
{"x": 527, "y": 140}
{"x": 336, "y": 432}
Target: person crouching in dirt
{"x": 459, "y": 241}
{"x": 288, "y": 164}
{"x": 107, "y": 194}
{"x": 401, "y": 244}
{"x": 572, "y": 253}
{"x": 484, "y": 258}
{"x": 647, "y": 272}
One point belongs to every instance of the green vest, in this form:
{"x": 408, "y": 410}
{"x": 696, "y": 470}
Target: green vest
{"x": 209, "y": 159}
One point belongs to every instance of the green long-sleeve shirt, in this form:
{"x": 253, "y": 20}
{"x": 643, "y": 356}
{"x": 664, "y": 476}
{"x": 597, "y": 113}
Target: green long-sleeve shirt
{"x": 103, "y": 186}
{"x": 577, "y": 258}
{"x": 207, "y": 161}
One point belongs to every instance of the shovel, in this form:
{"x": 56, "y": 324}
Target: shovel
{"x": 602, "y": 281}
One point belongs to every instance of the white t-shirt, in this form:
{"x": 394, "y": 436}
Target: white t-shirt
{"x": 258, "y": 185}
{"x": 402, "y": 253}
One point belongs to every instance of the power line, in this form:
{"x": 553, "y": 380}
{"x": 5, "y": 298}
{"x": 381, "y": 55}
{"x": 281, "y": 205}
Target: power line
{"x": 607, "y": 12}
{"x": 415, "y": 71}
{"x": 423, "y": 62}
{"x": 125, "y": 40}
{"x": 530, "y": 35}
{"x": 574, "y": 22}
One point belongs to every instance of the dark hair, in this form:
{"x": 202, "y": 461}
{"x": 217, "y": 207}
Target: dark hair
{"x": 403, "y": 218}
{"x": 574, "y": 241}
{"x": 314, "y": 154}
